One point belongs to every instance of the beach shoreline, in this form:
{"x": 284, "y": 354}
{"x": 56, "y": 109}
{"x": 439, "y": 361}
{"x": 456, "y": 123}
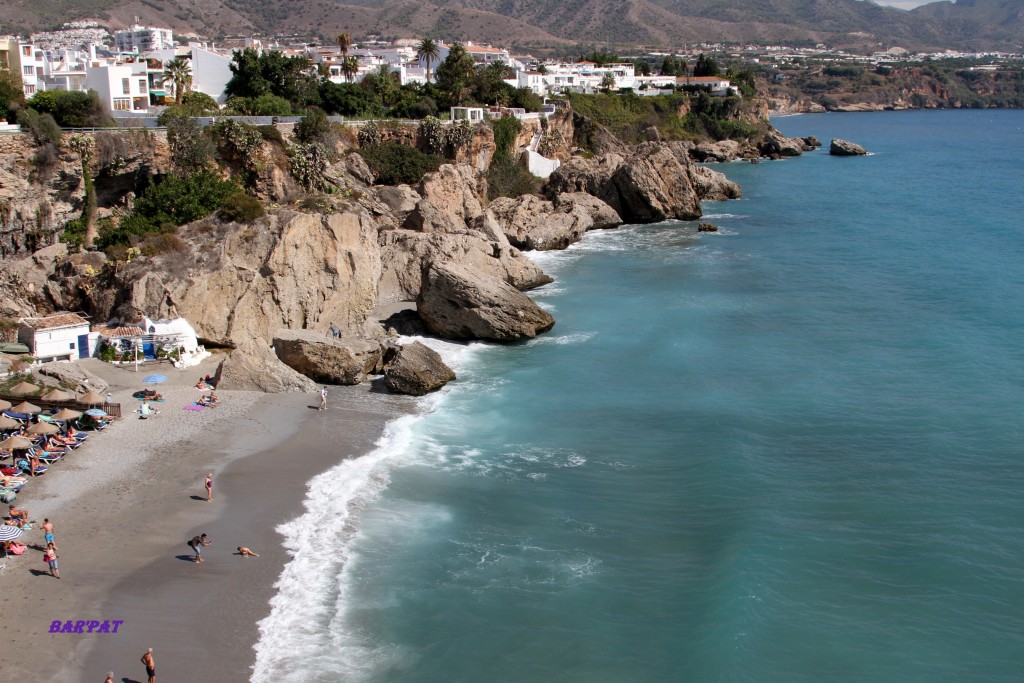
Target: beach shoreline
{"x": 125, "y": 504}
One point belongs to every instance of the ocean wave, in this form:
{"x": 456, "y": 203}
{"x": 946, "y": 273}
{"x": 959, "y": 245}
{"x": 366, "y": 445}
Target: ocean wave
{"x": 303, "y": 620}
{"x": 571, "y": 339}
{"x": 724, "y": 216}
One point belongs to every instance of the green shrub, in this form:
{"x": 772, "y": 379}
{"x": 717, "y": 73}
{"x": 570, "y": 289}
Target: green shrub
{"x": 507, "y": 178}
{"x": 271, "y": 134}
{"x": 313, "y": 127}
{"x": 191, "y": 148}
{"x": 42, "y": 127}
{"x": 71, "y": 109}
{"x": 241, "y": 208}
{"x": 162, "y": 243}
{"x": 173, "y": 201}
{"x": 396, "y": 164}
{"x": 506, "y": 130}
{"x": 309, "y": 165}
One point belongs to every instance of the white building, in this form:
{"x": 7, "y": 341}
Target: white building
{"x": 61, "y": 336}
{"x": 143, "y": 39}
{"x": 211, "y": 70}
{"x": 120, "y": 87}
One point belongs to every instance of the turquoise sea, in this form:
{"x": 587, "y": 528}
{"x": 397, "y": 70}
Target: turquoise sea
{"x": 792, "y": 451}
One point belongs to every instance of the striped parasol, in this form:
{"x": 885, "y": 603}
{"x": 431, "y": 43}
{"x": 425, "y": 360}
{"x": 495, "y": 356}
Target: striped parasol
{"x": 9, "y": 533}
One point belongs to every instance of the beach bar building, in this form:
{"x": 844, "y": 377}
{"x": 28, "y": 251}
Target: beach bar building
{"x": 60, "y": 336}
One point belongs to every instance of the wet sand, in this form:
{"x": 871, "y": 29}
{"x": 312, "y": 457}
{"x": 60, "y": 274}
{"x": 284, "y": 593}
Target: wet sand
{"x": 124, "y": 506}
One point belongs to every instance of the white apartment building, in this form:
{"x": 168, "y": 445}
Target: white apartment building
{"x": 143, "y": 39}
{"x": 121, "y": 87}
{"x": 211, "y": 70}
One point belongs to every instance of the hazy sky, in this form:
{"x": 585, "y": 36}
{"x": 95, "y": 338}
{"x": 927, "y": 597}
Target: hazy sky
{"x": 902, "y": 4}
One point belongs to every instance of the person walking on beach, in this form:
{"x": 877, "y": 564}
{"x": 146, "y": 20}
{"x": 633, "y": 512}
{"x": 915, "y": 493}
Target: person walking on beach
{"x": 51, "y": 559}
{"x": 323, "y": 398}
{"x": 197, "y": 544}
{"x": 209, "y": 487}
{"x": 245, "y": 552}
{"x": 110, "y": 677}
{"x": 148, "y": 661}
{"x": 47, "y": 530}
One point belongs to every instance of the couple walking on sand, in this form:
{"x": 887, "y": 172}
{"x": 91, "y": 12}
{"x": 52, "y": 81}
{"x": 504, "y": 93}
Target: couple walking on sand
{"x": 147, "y": 661}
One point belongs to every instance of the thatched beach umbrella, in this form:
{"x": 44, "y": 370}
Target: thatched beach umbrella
{"x": 15, "y": 443}
{"x": 8, "y": 423}
{"x": 57, "y": 395}
{"x": 43, "y": 428}
{"x": 23, "y": 389}
{"x": 91, "y": 399}
{"x": 66, "y": 414}
{"x": 4, "y": 405}
{"x": 26, "y": 408}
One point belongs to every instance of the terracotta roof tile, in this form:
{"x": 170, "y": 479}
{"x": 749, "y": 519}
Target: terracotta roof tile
{"x": 54, "y": 321}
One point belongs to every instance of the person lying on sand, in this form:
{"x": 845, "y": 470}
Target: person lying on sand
{"x": 245, "y": 552}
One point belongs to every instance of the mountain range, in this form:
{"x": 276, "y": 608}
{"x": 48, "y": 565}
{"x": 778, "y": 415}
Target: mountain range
{"x": 965, "y": 24}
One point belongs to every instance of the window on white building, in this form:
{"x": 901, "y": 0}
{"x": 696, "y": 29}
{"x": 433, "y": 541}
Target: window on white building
{"x": 28, "y": 70}
{"x": 122, "y": 104}
{"x": 142, "y": 85}
{"x": 27, "y": 50}
{"x": 126, "y": 86}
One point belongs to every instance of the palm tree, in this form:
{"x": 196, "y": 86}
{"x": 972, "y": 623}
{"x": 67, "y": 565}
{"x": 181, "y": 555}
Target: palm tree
{"x": 178, "y": 71}
{"x": 349, "y": 68}
{"x": 427, "y": 52}
{"x": 344, "y": 43}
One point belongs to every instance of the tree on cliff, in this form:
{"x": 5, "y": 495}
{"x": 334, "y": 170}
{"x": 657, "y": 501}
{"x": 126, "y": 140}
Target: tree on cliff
{"x": 272, "y": 73}
{"x": 456, "y": 76}
{"x": 178, "y": 72}
{"x": 11, "y": 92}
{"x": 427, "y": 53}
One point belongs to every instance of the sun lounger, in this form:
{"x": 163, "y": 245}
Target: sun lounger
{"x": 27, "y": 468}
{"x": 8, "y": 495}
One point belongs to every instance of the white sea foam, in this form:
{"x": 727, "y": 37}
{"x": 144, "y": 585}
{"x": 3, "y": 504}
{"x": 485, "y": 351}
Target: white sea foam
{"x": 572, "y": 339}
{"x": 721, "y": 216}
{"x": 302, "y": 624}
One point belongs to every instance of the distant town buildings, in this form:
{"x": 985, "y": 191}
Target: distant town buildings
{"x": 126, "y": 70}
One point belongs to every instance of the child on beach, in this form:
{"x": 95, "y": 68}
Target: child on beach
{"x": 51, "y": 559}
{"x": 323, "y": 399}
{"x": 245, "y": 552}
{"x": 209, "y": 487}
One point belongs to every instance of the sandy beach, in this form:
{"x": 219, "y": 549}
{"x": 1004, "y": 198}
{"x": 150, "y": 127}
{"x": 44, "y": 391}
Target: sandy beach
{"x": 125, "y": 504}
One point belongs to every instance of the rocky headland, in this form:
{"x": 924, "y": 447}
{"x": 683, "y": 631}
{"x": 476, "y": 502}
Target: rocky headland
{"x": 270, "y": 289}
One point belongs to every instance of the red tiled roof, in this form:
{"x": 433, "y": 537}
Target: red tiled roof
{"x": 54, "y": 321}
{"x": 122, "y": 331}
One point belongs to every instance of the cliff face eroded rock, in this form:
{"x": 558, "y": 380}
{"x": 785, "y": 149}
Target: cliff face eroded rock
{"x": 346, "y": 360}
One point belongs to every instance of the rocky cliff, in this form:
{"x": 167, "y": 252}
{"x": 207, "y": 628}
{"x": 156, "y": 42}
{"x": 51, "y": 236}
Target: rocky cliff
{"x": 283, "y": 279}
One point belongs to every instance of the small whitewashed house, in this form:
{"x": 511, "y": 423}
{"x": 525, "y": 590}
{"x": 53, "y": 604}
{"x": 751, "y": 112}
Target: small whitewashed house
{"x": 61, "y": 336}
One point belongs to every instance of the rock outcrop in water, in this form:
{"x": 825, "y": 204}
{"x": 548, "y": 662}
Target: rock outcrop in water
{"x": 845, "y": 148}
{"x": 415, "y": 369}
{"x": 461, "y": 303}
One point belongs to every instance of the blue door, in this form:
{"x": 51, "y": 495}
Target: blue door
{"x": 83, "y": 346}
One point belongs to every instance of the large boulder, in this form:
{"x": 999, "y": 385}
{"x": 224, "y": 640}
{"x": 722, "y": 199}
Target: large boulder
{"x": 712, "y": 185}
{"x": 458, "y": 302}
{"x": 845, "y": 148}
{"x": 774, "y": 145}
{"x": 602, "y": 216}
{"x": 415, "y": 369}
{"x": 651, "y": 184}
{"x": 327, "y": 359}
{"x": 723, "y": 150}
{"x": 254, "y": 367}
{"x": 73, "y": 374}
{"x": 406, "y": 254}
{"x": 530, "y": 222}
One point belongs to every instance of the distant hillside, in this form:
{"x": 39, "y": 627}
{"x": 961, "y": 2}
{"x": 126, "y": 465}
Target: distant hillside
{"x": 971, "y": 24}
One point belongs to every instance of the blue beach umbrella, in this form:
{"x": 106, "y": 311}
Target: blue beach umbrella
{"x": 155, "y": 379}
{"x": 95, "y": 412}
